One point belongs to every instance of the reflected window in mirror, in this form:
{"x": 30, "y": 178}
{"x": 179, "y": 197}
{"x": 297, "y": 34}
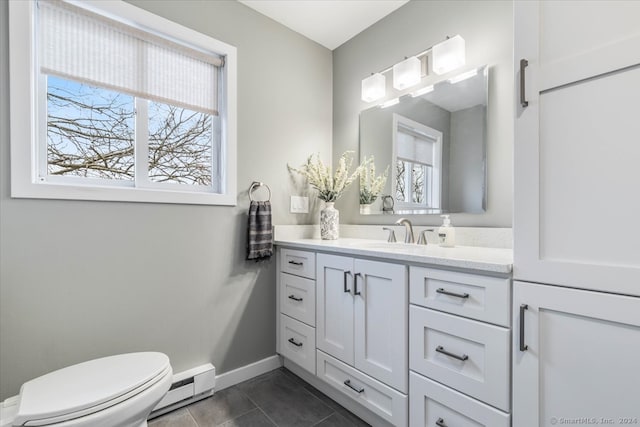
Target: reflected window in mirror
{"x": 418, "y": 161}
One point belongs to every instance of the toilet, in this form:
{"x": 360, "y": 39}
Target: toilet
{"x": 115, "y": 391}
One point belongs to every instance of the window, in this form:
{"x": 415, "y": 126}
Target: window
{"x": 122, "y": 105}
{"x": 418, "y": 160}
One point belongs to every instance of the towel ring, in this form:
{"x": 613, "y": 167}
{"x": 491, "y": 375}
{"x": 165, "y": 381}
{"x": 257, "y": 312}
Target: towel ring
{"x": 256, "y": 184}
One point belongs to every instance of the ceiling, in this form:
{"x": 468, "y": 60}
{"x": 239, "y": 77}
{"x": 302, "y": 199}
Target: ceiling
{"x": 327, "y": 22}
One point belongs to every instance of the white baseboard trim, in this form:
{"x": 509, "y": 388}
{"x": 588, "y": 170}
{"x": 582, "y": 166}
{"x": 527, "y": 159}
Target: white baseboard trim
{"x": 247, "y": 372}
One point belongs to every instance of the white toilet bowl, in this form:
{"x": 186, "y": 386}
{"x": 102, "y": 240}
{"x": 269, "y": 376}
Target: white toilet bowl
{"x": 115, "y": 391}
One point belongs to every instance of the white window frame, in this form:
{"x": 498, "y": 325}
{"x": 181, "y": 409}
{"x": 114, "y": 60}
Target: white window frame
{"x": 28, "y": 116}
{"x": 433, "y": 194}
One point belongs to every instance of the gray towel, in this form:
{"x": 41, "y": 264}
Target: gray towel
{"x": 260, "y": 241}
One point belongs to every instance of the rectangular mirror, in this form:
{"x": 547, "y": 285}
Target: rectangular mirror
{"x": 434, "y": 144}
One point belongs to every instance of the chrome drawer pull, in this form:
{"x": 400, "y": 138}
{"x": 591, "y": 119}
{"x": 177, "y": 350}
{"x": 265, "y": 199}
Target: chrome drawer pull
{"x": 453, "y": 294}
{"x": 293, "y": 297}
{"x": 295, "y": 263}
{"x": 440, "y": 349}
{"x": 357, "y": 390}
{"x": 523, "y": 346}
{"x": 440, "y": 423}
{"x": 297, "y": 344}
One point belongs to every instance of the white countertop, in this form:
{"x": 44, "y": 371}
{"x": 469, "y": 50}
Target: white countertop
{"x": 496, "y": 260}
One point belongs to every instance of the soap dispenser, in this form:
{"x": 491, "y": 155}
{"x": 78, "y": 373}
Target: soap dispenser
{"x": 446, "y": 233}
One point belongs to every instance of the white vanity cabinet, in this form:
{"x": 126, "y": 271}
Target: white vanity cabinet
{"x": 296, "y": 333}
{"x": 362, "y": 316}
{"x": 367, "y": 336}
{"x": 460, "y": 363}
{"x": 361, "y": 332}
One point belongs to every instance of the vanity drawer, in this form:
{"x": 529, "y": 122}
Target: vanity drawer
{"x": 430, "y": 402}
{"x": 375, "y": 396}
{"x": 469, "y": 356}
{"x": 300, "y": 263}
{"x": 298, "y": 343}
{"x": 470, "y": 295}
{"x": 298, "y": 298}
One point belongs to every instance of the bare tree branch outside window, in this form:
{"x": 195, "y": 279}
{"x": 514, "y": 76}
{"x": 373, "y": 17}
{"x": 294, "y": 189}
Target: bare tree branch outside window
{"x": 91, "y": 133}
{"x": 417, "y": 182}
{"x": 400, "y": 183}
{"x": 179, "y": 145}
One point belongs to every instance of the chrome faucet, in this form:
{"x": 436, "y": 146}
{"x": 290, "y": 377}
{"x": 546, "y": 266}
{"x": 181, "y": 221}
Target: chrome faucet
{"x": 408, "y": 230}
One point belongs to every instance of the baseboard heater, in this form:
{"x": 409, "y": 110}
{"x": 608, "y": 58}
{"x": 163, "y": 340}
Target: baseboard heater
{"x": 187, "y": 387}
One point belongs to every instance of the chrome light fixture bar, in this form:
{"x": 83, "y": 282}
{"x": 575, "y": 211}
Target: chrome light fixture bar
{"x": 447, "y": 56}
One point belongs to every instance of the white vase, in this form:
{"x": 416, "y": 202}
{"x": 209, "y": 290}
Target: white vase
{"x": 365, "y": 208}
{"x": 329, "y": 222}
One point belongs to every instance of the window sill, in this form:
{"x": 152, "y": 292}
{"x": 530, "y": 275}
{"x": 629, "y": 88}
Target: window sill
{"x": 119, "y": 194}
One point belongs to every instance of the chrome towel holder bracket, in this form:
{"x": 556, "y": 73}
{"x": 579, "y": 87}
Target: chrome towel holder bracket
{"x": 255, "y": 185}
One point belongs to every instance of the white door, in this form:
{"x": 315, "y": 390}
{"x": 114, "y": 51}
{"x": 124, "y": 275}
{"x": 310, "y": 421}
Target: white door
{"x": 577, "y": 144}
{"x": 580, "y": 357}
{"x": 381, "y": 321}
{"x": 334, "y": 296}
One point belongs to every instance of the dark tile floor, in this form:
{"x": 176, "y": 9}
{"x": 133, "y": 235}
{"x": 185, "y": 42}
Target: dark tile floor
{"x": 278, "y": 398}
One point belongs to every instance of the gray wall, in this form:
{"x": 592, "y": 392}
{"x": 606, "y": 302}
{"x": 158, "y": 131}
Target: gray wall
{"x": 487, "y": 29}
{"x": 466, "y": 179}
{"x": 80, "y": 279}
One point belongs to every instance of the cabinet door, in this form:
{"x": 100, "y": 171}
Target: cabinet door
{"x": 334, "y": 297}
{"x": 576, "y": 144}
{"x": 381, "y": 321}
{"x": 582, "y": 359}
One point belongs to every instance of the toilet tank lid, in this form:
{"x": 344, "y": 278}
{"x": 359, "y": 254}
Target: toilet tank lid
{"x": 85, "y": 385}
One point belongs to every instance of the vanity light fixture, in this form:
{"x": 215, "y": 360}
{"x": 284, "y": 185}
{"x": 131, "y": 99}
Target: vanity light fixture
{"x": 422, "y": 91}
{"x": 406, "y": 73}
{"x": 463, "y": 76}
{"x": 448, "y": 55}
{"x": 373, "y": 87}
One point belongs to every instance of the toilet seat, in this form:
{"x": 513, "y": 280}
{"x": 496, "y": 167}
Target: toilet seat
{"x": 89, "y": 387}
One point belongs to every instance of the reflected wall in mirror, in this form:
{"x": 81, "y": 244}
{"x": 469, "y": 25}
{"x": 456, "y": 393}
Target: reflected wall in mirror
{"x": 435, "y": 145}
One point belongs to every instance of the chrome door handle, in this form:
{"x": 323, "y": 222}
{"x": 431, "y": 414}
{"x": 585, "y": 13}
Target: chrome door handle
{"x": 293, "y": 297}
{"x": 523, "y": 98}
{"x": 453, "y": 294}
{"x": 357, "y": 390}
{"x": 440, "y": 349}
{"x": 523, "y": 346}
{"x": 294, "y": 342}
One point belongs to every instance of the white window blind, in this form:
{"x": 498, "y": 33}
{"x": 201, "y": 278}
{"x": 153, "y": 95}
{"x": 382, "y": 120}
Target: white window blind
{"x": 415, "y": 147}
{"x": 80, "y": 45}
